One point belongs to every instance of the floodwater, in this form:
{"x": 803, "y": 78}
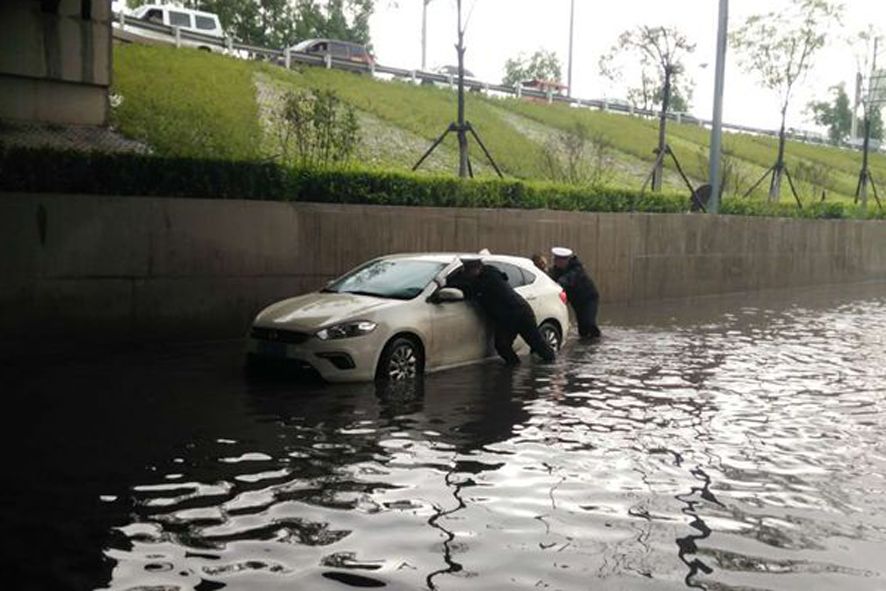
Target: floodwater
{"x": 721, "y": 443}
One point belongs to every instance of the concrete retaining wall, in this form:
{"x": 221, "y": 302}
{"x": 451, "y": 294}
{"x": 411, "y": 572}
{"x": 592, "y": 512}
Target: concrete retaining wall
{"x": 108, "y": 268}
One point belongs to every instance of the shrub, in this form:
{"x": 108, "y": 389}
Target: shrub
{"x": 315, "y": 128}
{"x": 50, "y": 171}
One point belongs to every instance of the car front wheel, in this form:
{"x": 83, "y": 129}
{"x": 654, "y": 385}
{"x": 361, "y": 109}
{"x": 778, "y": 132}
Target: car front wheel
{"x": 551, "y": 334}
{"x": 401, "y": 360}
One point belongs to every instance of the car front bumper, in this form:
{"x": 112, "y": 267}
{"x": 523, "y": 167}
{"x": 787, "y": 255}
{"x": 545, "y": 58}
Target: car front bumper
{"x": 339, "y": 360}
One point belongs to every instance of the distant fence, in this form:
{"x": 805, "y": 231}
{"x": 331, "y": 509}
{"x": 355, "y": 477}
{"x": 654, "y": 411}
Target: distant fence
{"x": 285, "y": 57}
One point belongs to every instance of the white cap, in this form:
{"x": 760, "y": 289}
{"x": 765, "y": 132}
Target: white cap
{"x": 561, "y": 252}
{"x": 469, "y": 259}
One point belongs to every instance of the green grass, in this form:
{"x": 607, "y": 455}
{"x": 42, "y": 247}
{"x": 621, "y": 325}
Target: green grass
{"x": 425, "y": 111}
{"x": 754, "y": 154}
{"x": 186, "y": 102}
{"x": 190, "y": 103}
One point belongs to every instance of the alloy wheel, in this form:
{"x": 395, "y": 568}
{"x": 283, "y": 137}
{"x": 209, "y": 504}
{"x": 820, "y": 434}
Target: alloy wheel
{"x": 403, "y": 364}
{"x": 551, "y": 336}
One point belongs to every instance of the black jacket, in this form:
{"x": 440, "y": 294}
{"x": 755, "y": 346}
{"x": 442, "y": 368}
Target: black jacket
{"x": 495, "y": 296}
{"x": 579, "y": 287}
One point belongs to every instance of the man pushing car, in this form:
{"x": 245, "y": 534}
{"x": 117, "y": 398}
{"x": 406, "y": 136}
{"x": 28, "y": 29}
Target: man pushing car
{"x": 510, "y": 314}
{"x": 580, "y": 290}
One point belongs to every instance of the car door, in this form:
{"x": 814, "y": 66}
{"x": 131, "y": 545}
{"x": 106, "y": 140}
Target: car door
{"x": 521, "y": 280}
{"x": 460, "y": 333}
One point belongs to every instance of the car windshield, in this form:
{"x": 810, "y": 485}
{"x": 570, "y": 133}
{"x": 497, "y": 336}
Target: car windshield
{"x": 400, "y": 279}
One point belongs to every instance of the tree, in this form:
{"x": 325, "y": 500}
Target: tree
{"x": 541, "y": 65}
{"x": 779, "y": 48}
{"x": 658, "y": 51}
{"x": 650, "y": 53}
{"x": 835, "y": 115}
{"x": 282, "y": 23}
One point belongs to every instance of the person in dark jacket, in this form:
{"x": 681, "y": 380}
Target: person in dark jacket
{"x": 580, "y": 290}
{"x": 510, "y": 314}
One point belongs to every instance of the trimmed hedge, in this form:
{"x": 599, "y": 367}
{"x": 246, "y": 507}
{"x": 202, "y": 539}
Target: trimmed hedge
{"x": 51, "y": 171}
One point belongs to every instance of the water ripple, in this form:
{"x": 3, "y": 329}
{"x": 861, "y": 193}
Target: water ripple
{"x": 736, "y": 450}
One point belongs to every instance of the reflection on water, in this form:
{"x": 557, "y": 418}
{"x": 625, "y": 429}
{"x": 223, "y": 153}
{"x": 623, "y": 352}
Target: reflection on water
{"x": 729, "y": 443}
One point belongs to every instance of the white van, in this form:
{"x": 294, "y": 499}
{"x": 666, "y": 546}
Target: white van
{"x": 194, "y": 21}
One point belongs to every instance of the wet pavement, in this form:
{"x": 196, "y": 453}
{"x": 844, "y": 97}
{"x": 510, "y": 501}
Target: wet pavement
{"x": 719, "y": 443}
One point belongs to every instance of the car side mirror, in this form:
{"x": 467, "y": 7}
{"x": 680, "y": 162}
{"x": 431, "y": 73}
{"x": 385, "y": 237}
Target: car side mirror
{"x": 449, "y": 294}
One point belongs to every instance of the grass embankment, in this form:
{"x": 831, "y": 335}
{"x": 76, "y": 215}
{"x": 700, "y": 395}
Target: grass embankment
{"x": 186, "y": 102}
{"x": 195, "y": 104}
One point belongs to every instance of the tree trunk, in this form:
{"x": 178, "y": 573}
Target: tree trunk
{"x": 778, "y": 169}
{"x": 862, "y": 191}
{"x": 462, "y": 137}
{"x": 658, "y": 174}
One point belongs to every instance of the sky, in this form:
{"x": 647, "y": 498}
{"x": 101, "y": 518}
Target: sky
{"x": 500, "y": 29}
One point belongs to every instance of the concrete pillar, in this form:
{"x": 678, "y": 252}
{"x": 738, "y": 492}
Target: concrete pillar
{"x": 328, "y": 59}
{"x": 679, "y": 117}
{"x": 229, "y": 43}
{"x": 631, "y": 109}
{"x": 606, "y": 106}
{"x": 178, "y": 36}
{"x": 550, "y": 96}
{"x": 413, "y": 76}
{"x": 518, "y": 90}
{"x": 451, "y": 83}
{"x": 122, "y": 18}
{"x": 287, "y": 58}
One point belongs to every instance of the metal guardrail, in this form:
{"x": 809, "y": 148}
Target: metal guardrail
{"x": 286, "y": 57}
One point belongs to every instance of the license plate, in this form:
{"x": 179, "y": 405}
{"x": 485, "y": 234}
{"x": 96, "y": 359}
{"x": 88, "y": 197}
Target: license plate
{"x": 272, "y": 349}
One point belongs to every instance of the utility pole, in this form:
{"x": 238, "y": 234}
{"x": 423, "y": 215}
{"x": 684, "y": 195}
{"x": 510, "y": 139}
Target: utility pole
{"x": 717, "y": 123}
{"x": 859, "y": 80}
{"x": 424, "y": 34}
{"x": 571, "y": 36}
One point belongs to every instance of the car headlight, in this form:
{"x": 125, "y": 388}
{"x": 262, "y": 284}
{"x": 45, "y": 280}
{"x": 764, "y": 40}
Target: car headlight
{"x": 346, "y": 330}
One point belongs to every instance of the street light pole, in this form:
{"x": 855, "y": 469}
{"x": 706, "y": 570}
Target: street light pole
{"x": 571, "y": 34}
{"x": 424, "y": 34}
{"x": 717, "y": 123}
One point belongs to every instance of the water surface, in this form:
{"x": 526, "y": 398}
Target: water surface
{"x": 721, "y": 443}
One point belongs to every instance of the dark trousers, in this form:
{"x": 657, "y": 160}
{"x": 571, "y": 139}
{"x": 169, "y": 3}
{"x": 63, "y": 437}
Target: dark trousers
{"x": 506, "y": 333}
{"x": 586, "y": 315}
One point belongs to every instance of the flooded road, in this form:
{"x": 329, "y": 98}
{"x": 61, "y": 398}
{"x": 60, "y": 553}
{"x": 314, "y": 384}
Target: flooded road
{"x": 723, "y": 443}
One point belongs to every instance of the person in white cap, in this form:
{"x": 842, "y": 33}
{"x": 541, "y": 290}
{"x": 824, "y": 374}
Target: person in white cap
{"x": 511, "y": 315}
{"x": 580, "y": 290}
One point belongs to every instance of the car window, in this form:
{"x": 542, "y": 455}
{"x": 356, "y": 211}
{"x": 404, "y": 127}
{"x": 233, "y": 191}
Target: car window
{"x": 514, "y": 273}
{"x": 155, "y": 15}
{"x": 339, "y": 50}
{"x": 179, "y": 19}
{"x": 528, "y": 276}
{"x": 319, "y": 47}
{"x": 204, "y": 23}
{"x": 401, "y": 279}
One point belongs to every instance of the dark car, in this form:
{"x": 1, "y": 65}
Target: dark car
{"x": 342, "y": 50}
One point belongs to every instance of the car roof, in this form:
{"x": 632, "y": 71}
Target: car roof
{"x": 145, "y": 7}
{"x": 449, "y": 257}
{"x": 306, "y": 42}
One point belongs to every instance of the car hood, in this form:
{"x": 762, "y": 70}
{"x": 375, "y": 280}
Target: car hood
{"x": 314, "y": 311}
